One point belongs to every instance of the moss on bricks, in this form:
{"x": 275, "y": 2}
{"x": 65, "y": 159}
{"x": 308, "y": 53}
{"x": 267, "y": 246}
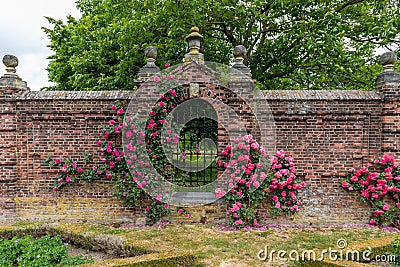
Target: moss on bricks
{"x": 149, "y": 260}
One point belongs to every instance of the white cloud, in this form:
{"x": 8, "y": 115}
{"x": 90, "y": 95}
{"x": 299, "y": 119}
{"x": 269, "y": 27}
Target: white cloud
{"x": 22, "y": 36}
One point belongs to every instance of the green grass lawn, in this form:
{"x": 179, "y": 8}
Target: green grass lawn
{"x": 219, "y": 246}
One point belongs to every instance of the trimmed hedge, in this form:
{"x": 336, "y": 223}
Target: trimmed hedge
{"x": 141, "y": 257}
{"x": 96, "y": 242}
{"x": 149, "y": 260}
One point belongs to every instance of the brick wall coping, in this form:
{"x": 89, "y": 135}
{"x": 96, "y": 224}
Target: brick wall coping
{"x": 321, "y": 95}
{"x": 292, "y": 95}
{"x": 74, "y": 95}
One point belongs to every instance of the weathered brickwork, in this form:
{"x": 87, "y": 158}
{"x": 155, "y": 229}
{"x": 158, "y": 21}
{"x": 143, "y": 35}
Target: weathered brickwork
{"x": 327, "y": 136}
{"x": 326, "y": 132}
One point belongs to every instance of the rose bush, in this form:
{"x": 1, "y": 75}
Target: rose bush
{"x": 253, "y": 179}
{"x": 379, "y": 184}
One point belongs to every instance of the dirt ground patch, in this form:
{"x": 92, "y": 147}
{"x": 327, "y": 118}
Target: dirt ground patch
{"x": 88, "y": 254}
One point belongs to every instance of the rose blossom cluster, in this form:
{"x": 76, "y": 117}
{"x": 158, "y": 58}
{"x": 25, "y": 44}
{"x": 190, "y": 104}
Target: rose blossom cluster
{"x": 253, "y": 179}
{"x": 378, "y": 182}
{"x": 284, "y": 184}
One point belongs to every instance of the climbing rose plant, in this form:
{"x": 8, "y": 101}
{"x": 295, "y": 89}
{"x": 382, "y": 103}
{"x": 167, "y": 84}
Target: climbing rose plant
{"x": 379, "y": 184}
{"x": 128, "y": 171}
{"x": 253, "y": 180}
{"x": 113, "y": 166}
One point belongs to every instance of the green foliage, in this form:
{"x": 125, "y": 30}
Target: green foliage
{"x": 396, "y": 252}
{"x": 43, "y": 252}
{"x": 396, "y": 246}
{"x": 291, "y": 44}
{"x": 156, "y": 211}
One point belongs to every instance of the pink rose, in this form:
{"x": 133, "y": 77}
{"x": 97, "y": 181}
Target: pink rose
{"x": 280, "y": 154}
{"x": 219, "y": 193}
{"x": 238, "y": 222}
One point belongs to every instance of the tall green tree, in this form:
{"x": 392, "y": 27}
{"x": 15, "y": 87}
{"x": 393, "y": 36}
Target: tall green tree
{"x": 296, "y": 44}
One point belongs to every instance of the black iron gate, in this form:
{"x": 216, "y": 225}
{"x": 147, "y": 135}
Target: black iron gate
{"x": 198, "y": 146}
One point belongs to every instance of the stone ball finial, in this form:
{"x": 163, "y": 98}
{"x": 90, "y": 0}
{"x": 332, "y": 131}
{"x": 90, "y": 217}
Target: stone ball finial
{"x": 388, "y": 59}
{"x": 239, "y": 51}
{"x": 150, "y": 52}
{"x": 10, "y": 62}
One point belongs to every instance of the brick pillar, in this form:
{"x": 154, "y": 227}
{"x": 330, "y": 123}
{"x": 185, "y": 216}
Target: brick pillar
{"x": 388, "y": 84}
{"x": 10, "y": 85}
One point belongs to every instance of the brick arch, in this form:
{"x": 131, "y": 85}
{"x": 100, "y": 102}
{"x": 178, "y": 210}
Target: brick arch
{"x": 220, "y": 95}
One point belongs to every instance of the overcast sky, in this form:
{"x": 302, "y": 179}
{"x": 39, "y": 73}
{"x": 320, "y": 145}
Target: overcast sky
{"x": 22, "y": 36}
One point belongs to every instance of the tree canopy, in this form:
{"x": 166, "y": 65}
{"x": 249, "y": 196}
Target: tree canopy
{"x": 296, "y": 44}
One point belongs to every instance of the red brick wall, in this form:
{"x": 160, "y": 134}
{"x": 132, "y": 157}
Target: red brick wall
{"x": 326, "y": 132}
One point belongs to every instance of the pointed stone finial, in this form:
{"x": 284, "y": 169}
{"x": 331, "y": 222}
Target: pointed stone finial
{"x": 10, "y": 79}
{"x": 194, "y": 40}
{"x": 150, "y": 68}
{"x": 388, "y": 75}
{"x": 239, "y": 52}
